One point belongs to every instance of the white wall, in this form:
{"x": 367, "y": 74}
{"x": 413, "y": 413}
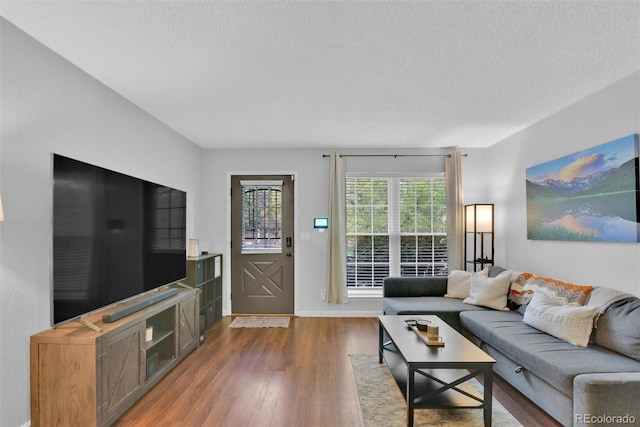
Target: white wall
{"x": 602, "y": 117}
{"x": 312, "y": 178}
{"x": 48, "y": 105}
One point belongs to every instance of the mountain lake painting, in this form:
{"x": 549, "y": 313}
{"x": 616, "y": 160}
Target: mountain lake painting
{"x": 592, "y": 195}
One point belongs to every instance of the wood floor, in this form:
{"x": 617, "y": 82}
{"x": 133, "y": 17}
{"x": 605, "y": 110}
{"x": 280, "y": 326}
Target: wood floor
{"x": 298, "y": 376}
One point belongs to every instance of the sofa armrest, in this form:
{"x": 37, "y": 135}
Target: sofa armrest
{"x": 597, "y": 396}
{"x": 414, "y": 286}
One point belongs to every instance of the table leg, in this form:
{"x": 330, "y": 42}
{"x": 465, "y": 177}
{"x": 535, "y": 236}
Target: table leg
{"x": 410, "y": 391}
{"x": 380, "y": 342}
{"x": 488, "y": 395}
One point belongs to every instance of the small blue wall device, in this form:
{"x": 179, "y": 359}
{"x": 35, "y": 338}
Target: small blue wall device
{"x": 320, "y": 223}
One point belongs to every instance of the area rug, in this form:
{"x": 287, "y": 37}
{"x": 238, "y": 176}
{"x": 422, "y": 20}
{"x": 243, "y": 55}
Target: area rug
{"x": 383, "y": 405}
{"x": 260, "y": 322}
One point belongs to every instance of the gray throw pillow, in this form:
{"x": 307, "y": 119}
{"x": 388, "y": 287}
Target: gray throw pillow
{"x": 618, "y": 330}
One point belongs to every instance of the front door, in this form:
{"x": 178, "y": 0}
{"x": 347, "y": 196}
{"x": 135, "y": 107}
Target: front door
{"x": 262, "y": 244}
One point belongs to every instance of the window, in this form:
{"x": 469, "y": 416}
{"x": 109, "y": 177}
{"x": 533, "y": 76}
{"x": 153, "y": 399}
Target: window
{"x": 261, "y": 216}
{"x": 395, "y": 227}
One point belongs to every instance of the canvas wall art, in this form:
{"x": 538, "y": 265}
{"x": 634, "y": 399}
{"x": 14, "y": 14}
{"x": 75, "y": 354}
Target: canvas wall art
{"x": 592, "y": 195}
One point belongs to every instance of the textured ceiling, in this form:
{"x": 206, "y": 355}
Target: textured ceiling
{"x": 346, "y": 73}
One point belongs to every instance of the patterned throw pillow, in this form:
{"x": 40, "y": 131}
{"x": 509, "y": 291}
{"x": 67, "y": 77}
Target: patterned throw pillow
{"x": 522, "y": 289}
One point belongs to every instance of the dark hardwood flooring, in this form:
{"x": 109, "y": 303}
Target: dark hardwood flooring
{"x": 299, "y": 376}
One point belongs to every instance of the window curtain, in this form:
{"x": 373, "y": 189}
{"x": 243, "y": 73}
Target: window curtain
{"x": 455, "y": 212}
{"x": 337, "y": 250}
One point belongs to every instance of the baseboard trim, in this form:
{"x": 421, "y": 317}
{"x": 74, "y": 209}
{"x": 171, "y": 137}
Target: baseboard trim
{"x": 339, "y": 313}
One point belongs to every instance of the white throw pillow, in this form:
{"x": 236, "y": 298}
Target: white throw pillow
{"x": 489, "y": 292}
{"x": 459, "y": 283}
{"x": 570, "y": 322}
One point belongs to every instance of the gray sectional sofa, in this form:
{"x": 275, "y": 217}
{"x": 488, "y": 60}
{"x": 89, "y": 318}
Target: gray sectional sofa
{"x": 594, "y": 385}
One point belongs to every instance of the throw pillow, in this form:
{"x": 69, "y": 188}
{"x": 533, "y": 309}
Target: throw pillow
{"x": 570, "y": 322}
{"x": 618, "y": 328}
{"x": 489, "y": 292}
{"x": 521, "y": 290}
{"x": 523, "y": 287}
{"x": 459, "y": 283}
{"x": 603, "y": 298}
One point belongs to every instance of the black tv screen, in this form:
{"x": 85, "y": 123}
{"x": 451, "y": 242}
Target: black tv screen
{"x": 114, "y": 237}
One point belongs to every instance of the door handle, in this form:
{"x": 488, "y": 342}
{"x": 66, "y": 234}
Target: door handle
{"x": 288, "y": 242}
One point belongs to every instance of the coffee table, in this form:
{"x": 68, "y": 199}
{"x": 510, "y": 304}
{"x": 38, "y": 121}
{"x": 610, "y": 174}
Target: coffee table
{"x": 429, "y": 377}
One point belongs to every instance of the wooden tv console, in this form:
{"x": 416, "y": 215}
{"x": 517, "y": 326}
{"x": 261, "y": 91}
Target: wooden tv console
{"x": 82, "y": 377}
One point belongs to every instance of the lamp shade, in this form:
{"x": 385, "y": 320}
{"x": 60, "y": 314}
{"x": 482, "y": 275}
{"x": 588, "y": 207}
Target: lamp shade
{"x": 479, "y": 218}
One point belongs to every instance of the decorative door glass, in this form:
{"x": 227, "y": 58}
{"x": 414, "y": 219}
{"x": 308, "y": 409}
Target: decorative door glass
{"x": 261, "y": 216}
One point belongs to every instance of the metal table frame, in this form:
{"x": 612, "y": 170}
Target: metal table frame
{"x": 421, "y": 359}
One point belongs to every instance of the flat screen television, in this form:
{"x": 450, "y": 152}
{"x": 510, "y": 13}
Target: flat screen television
{"x": 114, "y": 237}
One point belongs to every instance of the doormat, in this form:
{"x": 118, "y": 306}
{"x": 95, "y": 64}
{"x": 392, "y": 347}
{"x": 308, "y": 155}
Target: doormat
{"x": 260, "y": 322}
{"x": 383, "y": 404}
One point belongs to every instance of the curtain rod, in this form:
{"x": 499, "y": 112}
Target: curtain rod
{"x": 394, "y": 155}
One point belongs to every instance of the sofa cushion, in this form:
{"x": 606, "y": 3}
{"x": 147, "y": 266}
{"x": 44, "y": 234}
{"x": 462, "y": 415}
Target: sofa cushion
{"x": 551, "y": 359}
{"x": 495, "y": 270}
{"x": 447, "y": 309}
{"x": 603, "y": 298}
{"x": 569, "y": 322}
{"x": 414, "y": 286}
{"x": 618, "y": 328}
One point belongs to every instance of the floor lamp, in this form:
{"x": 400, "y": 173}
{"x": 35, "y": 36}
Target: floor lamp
{"x": 479, "y": 228}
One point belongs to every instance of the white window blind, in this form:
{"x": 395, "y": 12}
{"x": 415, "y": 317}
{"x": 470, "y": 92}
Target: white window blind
{"x": 395, "y": 227}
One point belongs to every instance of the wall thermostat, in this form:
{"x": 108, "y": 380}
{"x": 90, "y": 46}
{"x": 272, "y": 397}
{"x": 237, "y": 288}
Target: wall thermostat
{"x": 321, "y": 223}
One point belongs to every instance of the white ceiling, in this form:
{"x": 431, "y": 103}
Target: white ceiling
{"x": 343, "y": 74}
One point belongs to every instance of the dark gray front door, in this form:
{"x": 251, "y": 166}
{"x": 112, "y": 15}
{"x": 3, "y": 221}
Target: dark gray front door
{"x": 262, "y": 241}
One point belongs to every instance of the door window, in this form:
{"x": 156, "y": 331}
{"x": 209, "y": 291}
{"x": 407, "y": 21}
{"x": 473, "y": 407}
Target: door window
{"x": 261, "y": 216}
